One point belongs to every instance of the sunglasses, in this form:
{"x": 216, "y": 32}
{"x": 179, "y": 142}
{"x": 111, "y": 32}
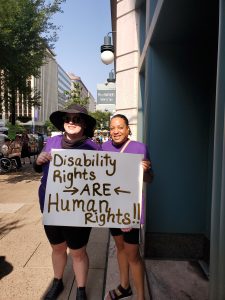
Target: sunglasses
{"x": 73, "y": 119}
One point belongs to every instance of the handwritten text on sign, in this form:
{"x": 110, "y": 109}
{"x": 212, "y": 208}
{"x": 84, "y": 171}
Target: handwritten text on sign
{"x": 94, "y": 189}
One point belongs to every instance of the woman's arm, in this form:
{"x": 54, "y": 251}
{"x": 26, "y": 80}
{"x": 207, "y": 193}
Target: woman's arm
{"x": 42, "y": 158}
{"x": 148, "y": 173}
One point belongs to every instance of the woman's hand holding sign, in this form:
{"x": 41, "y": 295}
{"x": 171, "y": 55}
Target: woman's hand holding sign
{"x": 146, "y": 164}
{"x": 43, "y": 158}
{"x": 148, "y": 174}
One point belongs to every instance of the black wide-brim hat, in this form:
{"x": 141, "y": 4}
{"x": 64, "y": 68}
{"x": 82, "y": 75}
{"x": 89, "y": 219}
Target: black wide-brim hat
{"x": 57, "y": 118}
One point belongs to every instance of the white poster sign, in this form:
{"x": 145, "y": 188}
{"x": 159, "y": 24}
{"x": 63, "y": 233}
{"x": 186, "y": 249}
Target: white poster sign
{"x": 94, "y": 189}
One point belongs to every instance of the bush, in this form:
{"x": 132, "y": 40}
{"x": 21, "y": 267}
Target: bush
{"x": 14, "y": 130}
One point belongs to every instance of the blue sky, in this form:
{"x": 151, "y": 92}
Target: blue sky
{"x": 84, "y": 23}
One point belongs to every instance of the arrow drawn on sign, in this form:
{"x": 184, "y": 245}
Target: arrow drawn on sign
{"x": 73, "y": 191}
{"x": 117, "y": 190}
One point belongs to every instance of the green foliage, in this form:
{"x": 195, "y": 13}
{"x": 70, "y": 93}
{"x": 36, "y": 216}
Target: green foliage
{"x": 75, "y": 96}
{"x": 49, "y": 126}
{"x": 102, "y": 119}
{"x": 25, "y": 33}
{"x": 14, "y": 129}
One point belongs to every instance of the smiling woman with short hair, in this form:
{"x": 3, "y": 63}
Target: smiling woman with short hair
{"x": 127, "y": 239}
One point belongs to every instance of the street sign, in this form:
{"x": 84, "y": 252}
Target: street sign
{"x": 106, "y": 96}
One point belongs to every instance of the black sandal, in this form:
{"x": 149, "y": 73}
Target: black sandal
{"x": 120, "y": 293}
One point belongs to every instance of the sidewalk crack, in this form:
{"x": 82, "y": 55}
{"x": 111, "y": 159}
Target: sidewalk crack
{"x": 32, "y": 255}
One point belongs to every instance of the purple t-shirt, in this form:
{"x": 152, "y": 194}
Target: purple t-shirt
{"x": 135, "y": 148}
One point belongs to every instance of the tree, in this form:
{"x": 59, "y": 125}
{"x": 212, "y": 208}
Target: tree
{"x": 75, "y": 96}
{"x": 13, "y": 130}
{"x": 102, "y": 119}
{"x": 50, "y": 127}
{"x": 25, "y": 33}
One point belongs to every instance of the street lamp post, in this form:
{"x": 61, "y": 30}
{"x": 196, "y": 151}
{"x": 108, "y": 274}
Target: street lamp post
{"x": 111, "y": 76}
{"x": 107, "y": 50}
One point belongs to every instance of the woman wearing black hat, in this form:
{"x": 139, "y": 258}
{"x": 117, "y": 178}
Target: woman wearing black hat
{"x": 78, "y": 128}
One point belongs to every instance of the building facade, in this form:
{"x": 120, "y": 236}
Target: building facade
{"x": 47, "y": 85}
{"x": 170, "y": 73}
{"x": 34, "y": 117}
{"x": 51, "y": 85}
{"x": 85, "y": 92}
{"x": 64, "y": 84}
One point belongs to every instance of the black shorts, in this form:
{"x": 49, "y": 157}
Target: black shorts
{"x": 75, "y": 237}
{"x": 131, "y": 237}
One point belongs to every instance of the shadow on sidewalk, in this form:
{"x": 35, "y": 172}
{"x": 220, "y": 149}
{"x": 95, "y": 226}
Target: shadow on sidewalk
{"x": 25, "y": 174}
{"x": 5, "y": 267}
{"x": 6, "y": 227}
